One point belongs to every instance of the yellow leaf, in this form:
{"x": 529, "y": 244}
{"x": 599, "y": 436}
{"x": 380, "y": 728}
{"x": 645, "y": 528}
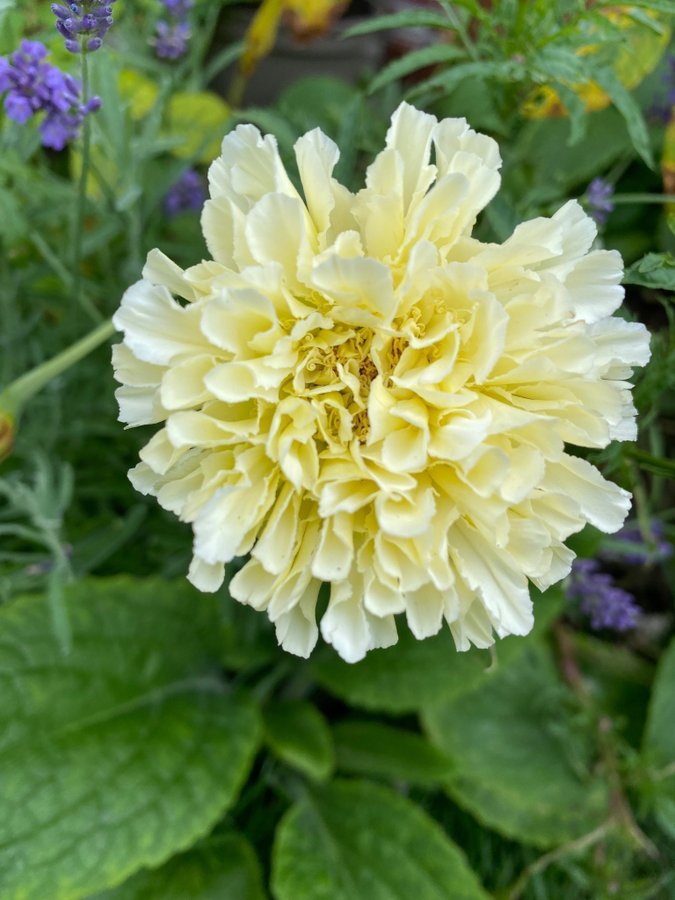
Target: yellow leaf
{"x": 198, "y": 118}
{"x": 139, "y": 92}
{"x": 310, "y": 18}
{"x": 261, "y": 34}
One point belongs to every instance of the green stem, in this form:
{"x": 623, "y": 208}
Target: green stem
{"x": 643, "y": 198}
{"x": 19, "y": 392}
{"x": 82, "y": 197}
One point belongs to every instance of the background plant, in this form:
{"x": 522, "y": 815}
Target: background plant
{"x": 155, "y": 741}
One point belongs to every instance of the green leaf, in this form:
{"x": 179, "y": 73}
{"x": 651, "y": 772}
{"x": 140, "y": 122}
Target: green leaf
{"x": 447, "y": 80}
{"x": 298, "y": 734}
{"x": 223, "y": 867}
{"x": 371, "y": 748}
{"x": 412, "y": 62}
{"x": 515, "y": 756}
{"x": 122, "y": 752}
{"x": 414, "y": 673}
{"x": 629, "y": 109}
{"x": 402, "y": 678}
{"x": 359, "y": 841}
{"x": 413, "y": 19}
{"x": 655, "y": 270}
{"x": 658, "y": 748}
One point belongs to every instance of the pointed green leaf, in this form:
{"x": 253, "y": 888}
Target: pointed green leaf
{"x": 423, "y": 18}
{"x": 371, "y": 748}
{"x": 359, "y": 841}
{"x": 658, "y": 748}
{"x": 223, "y": 867}
{"x": 629, "y": 109}
{"x": 297, "y": 733}
{"x": 517, "y": 764}
{"x": 122, "y": 752}
{"x": 412, "y": 62}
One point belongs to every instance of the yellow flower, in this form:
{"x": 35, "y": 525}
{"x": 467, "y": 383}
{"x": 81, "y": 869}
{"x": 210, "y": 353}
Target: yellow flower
{"x": 356, "y": 392}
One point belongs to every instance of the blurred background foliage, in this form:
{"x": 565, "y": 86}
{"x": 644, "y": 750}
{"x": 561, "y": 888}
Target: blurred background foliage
{"x": 155, "y": 743}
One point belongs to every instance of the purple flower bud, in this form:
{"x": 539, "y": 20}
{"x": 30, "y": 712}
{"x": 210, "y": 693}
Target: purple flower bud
{"x": 90, "y": 19}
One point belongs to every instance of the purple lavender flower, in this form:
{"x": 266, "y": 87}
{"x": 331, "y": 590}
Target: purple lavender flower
{"x": 83, "y": 25}
{"x": 34, "y": 86}
{"x": 609, "y": 607}
{"x": 178, "y": 9}
{"x": 599, "y": 199}
{"x": 171, "y": 40}
{"x": 172, "y": 36}
{"x": 186, "y": 195}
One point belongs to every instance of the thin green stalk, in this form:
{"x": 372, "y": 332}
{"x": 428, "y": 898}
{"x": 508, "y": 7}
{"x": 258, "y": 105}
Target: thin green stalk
{"x": 643, "y": 198}
{"x": 82, "y": 196}
{"x": 19, "y": 392}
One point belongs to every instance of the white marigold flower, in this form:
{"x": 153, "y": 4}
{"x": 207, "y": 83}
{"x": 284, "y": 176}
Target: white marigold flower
{"x": 357, "y": 392}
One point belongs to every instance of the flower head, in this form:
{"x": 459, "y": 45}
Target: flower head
{"x": 34, "y": 86}
{"x": 609, "y": 607}
{"x": 84, "y": 24}
{"x": 186, "y": 195}
{"x": 172, "y": 36}
{"x": 171, "y": 40}
{"x": 355, "y": 391}
{"x": 599, "y": 198}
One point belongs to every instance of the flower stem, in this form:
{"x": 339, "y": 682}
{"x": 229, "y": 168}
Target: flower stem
{"x": 79, "y": 297}
{"x": 19, "y": 392}
{"x": 643, "y": 198}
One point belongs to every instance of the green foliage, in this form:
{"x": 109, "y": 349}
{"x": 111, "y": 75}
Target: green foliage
{"x": 155, "y": 742}
{"x": 358, "y": 841}
{"x": 298, "y": 734}
{"x": 655, "y": 270}
{"x": 122, "y": 751}
{"x": 659, "y": 743}
{"x": 373, "y": 748}
{"x": 516, "y": 762}
{"x": 223, "y": 867}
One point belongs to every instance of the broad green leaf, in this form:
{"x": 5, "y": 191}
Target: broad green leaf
{"x": 297, "y": 733}
{"x": 371, "y": 748}
{"x": 122, "y": 752}
{"x": 414, "y": 673}
{"x": 223, "y": 867}
{"x": 403, "y": 677}
{"x": 354, "y": 840}
{"x": 655, "y": 270}
{"x": 517, "y": 764}
{"x": 658, "y": 748}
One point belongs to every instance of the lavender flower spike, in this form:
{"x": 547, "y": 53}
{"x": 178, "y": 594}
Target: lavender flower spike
{"x": 171, "y": 41}
{"x": 33, "y": 86}
{"x": 599, "y": 199}
{"x": 608, "y": 606}
{"x": 172, "y": 36}
{"x": 83, "y": 25}
{"x": 186, "y": 195}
